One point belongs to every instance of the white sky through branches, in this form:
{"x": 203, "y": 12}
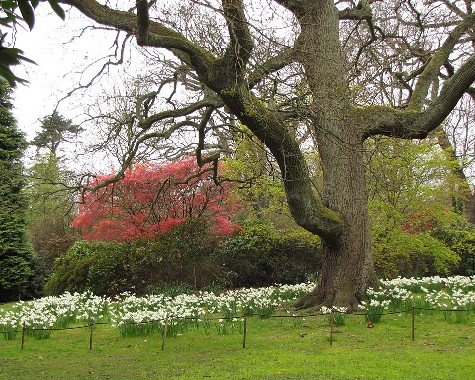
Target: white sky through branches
{"x": 61, "y": 59}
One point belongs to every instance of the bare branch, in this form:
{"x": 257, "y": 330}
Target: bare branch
{"x": 149, "y": 121}
{"x": 158, "y": 34}
{"x": 105, "y": 66}
{"x": 273, "y": 64}
{"x": 432, "y": 69}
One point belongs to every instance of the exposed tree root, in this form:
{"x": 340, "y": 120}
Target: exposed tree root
{"x": 316, "y": 300}
{"x": 307, "y": 301}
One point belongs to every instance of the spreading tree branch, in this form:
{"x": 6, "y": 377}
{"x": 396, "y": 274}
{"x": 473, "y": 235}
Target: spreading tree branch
{"x": 240, "y": 46}
{"x": 158, "y": 35}
{"x": 413, "y": 124}
{"x": 431, "y": 71}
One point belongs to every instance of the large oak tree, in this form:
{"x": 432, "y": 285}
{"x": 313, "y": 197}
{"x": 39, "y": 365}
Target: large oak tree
{"x": 282, "y": 65}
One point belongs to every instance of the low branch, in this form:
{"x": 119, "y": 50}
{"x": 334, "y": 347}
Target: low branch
{"x": 295, "y": 6}
{"x": 270, "y": 128}
{"x": 413, "y": 124}
{"x": 387, "y": 121}
{"x": 149, "y": 121}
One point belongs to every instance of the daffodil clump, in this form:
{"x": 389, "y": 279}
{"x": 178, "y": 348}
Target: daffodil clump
{"x": 455, "y": 296}
{"x": 41, "y": 316}
{"x": 134, "y": 315}
{"x": 336, "y": 315}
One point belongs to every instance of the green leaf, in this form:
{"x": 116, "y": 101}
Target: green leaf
{"x": 9, "y": 56}
{"x": 12, "y": 56}
{"x": 57, "y": 9}
{"x": 35, "y": 3}
{"x": 7, "y": 75}
{"x": 8, "y": 4}
{"x": 27, "y": 12}
{"x": 25, "y": 59}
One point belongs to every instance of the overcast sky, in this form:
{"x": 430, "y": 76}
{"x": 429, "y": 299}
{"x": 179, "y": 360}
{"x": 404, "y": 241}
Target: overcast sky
{"x": 58, "y": 70}
{"x": 59, "y": 64}
{"x": 47, "y": 79}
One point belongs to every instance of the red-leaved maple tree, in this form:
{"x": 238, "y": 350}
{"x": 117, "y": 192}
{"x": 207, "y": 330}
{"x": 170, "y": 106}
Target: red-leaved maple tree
{"x": 152, "y": 198}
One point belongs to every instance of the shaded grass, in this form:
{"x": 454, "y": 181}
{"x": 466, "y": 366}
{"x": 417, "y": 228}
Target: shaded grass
{"x": 277, "y": 348}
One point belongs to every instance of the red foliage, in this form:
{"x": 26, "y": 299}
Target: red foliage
{"x": 151, "y": 199}
{"x": 420, "y": 221}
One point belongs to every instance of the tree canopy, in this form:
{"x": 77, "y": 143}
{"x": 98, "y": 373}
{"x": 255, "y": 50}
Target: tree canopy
{"x": 55, "y": 129}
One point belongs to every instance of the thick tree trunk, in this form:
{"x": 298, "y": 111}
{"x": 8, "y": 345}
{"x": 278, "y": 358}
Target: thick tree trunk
{"x": 347, "y": 261}
{"x": 347, "y": 266}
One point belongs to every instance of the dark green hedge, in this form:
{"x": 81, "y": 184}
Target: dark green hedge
{"x": 189, "y": 257}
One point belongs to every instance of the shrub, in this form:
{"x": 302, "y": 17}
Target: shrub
{"x": 182, "y": 256}
{"x": 109, "y": 272}
{"x": 260, "y": 255}
{"x": 188, "y": 256}
{"x": 70, "y": 270}
{"x": 464, "y": 246}
{"x": 296, "y": 258}
{"x": 413, "y": 255}
{"x": 247, "y": 256}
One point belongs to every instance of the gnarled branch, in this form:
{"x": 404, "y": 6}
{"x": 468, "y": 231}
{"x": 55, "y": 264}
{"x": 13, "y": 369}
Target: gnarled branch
{"x": 431, "y": 71}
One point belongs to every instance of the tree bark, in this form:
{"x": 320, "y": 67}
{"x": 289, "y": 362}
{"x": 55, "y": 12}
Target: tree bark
{"x": 347, "y": 261}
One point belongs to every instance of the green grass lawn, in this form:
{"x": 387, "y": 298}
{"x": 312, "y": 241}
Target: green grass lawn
{"x": 276, "y": 348}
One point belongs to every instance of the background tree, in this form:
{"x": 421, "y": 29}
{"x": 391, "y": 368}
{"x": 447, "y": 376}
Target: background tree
{"x": 260, "y": 191}
{"x": 457, "y": 142}
{"x": 411, "y": 208}
{"x": 52, "y": 209}
{"x": 55, "y": 130}
{"x": 281, "y": 65}
{"x": 16, "y": 255}
{"x": 52, "y": 202}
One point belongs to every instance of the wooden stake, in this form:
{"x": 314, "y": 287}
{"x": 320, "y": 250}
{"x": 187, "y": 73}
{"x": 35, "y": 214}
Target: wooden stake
{"x": 244, "y": 333}
{"x": 164, "y": 334}
{"x": 413, "y": 323}
{"x": 91, "y": 325}
{"x": 331, "y": 328}
{"x": 23, "y": 335}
